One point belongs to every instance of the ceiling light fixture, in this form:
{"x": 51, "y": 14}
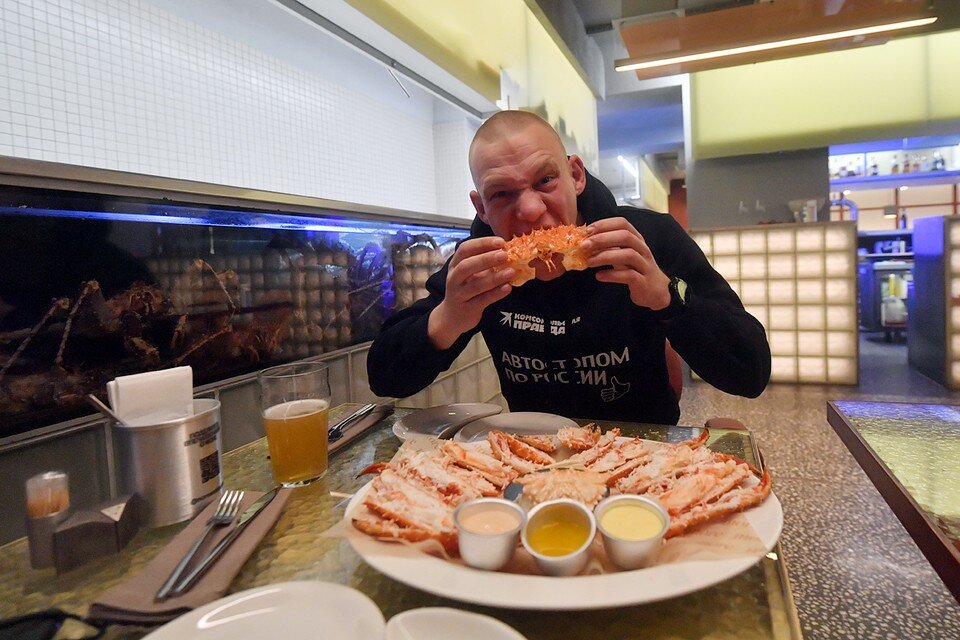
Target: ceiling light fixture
{"x": 633, "y": 64}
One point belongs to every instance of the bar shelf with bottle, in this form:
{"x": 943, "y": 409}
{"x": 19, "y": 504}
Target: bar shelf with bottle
{"x": 885, "y": 245}
{"x": 894, "y": 167}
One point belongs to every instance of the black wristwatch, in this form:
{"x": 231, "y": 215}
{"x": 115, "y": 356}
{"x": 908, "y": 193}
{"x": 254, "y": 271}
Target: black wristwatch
{"x": 678, "y": 300}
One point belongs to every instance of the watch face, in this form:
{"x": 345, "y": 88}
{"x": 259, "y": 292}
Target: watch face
{"x": 682, "y": 290}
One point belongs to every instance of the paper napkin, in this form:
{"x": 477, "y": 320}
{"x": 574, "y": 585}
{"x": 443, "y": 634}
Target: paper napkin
{"x": 152, "y": 397}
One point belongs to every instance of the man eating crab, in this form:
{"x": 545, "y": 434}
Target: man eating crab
{"x": 580, "y": 301}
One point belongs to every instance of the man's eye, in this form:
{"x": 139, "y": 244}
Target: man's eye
{"x": 547, "y": 179}
{"x": 498, "y": 194}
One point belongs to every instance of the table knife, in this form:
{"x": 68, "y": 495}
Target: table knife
{"x": 218, "y": 550}
{"x": 336, "y": 431}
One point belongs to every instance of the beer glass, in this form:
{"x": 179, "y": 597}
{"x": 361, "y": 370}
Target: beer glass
{"x": 295, "y": 401}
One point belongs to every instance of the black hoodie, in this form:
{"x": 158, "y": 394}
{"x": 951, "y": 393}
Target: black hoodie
{"x": 580, "y": 348}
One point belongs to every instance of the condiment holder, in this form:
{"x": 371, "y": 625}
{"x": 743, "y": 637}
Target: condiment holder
{"x": 91, "y": 533}
{"x": 488, "y": 529}
{"x": 632, "y": 528}
{"x": 558, "y": 535}
{"x": 48, "y": 504}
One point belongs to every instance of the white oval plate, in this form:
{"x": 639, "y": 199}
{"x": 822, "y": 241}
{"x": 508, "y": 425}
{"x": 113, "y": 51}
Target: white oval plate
{"x": 412, "y": 567}
{"x": 429, "y": 623}
{"x": 296, "y": 610}
{"x": 435, "y": 420}
{"x": 525, "y": 422}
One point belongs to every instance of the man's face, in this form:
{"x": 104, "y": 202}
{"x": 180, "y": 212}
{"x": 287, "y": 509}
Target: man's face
{"x": 525, "y": 181}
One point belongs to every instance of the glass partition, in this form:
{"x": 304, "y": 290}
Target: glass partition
{"x": 93, "y": 286}
{"x": 799, "y": 281}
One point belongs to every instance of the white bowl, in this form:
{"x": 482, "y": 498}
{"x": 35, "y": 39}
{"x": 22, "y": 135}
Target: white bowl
{"x": 488, "y": 551}
{"x": 295, "y": 610}
{"x": 430, "y": 623}
{"x": 629, "y": 553}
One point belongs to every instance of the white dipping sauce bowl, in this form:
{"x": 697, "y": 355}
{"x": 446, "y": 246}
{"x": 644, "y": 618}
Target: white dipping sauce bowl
{"x": 571, "y": 563}
{"x": 488, "y": 550}
{"x": 629, "y": 553}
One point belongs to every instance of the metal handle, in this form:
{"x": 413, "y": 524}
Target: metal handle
{"x": 336, "y": 431}
{"x": 217, "y": 551}
{"x": 178, "y": 570}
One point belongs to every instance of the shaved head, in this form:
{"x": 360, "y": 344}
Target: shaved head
{"x": 524, "y": 178}
{"x": 504, "y": 123}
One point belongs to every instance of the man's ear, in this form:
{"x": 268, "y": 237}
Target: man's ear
{"x": 478, "y": 205}
{"x": 578, "y": 172}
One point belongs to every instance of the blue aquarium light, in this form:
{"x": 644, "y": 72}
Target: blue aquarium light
{"x": 182, "y": 215}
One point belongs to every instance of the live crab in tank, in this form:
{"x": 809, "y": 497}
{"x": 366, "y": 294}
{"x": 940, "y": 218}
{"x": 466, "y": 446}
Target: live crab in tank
{"x": 80, "y": 343}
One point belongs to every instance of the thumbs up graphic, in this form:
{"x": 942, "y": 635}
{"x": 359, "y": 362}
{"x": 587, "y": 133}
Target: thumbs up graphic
{"x": 618, "y": 390}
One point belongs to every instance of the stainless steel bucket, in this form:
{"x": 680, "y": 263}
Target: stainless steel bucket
{"x": 174, "y": 466}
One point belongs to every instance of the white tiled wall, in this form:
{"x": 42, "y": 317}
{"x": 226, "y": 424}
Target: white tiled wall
{"x": 125, "y": 85}
{"x": 454, "y": 182}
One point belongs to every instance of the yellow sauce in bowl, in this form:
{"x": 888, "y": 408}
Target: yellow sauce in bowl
{"x": 558, "y": 532}
{"x": 629, "y": 520}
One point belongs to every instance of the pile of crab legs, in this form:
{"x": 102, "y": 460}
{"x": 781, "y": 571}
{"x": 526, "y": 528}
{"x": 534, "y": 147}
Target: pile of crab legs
{"x": 413, "y": 498}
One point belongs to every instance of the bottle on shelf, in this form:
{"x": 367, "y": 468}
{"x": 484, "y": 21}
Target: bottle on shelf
{"x": 895, "y": 166}
{"x": 938, "y": 163}
{"x": 906, "y": 163}
{"x": 916, "y": 164}
{"x": 874, "y": 169}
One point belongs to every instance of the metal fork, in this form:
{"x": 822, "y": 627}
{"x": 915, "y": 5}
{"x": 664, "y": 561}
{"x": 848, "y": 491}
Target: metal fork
{"x": 226, "y": 511}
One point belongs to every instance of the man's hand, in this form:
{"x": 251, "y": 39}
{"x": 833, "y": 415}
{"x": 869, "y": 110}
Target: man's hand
{"x": 472, "y": 285}
{"x": 614, "y": 242}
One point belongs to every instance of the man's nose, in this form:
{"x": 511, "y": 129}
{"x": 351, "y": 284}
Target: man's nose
{"x": 530, "y": 206}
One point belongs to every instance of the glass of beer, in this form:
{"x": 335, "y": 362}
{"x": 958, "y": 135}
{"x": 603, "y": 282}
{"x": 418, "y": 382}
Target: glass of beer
{"x": 295, "y": 400}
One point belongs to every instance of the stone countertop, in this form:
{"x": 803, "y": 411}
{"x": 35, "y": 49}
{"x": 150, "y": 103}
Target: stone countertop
{"x": 911, "y": 452}
{"x": 854, "y": 571}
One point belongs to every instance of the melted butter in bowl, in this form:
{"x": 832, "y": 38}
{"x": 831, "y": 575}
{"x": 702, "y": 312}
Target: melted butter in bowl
{"x": 558, "y": 534}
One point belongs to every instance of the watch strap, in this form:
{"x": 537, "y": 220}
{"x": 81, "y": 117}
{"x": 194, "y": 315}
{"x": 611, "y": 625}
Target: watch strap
{"x": 679, "y": 297}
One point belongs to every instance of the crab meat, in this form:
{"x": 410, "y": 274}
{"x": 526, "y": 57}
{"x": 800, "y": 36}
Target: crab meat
{"x": 545, "y": 443}
{"x": 542, "y": 244}
{"x": 733, "y": 501}
{"x": 581, "y": 438}
{"x": 603, "y": 444}
{"x": 375, "y": 525}
{"x": 515, "y": 453}
{"x": 584, "y": 486}
{"x": 485, "y": 464}
{"x": 411, "y": 505}
{"x": 617, "y": 456}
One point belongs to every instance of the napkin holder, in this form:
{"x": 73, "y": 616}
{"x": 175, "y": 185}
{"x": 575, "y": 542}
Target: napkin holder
{"x": 93, "y": 533}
